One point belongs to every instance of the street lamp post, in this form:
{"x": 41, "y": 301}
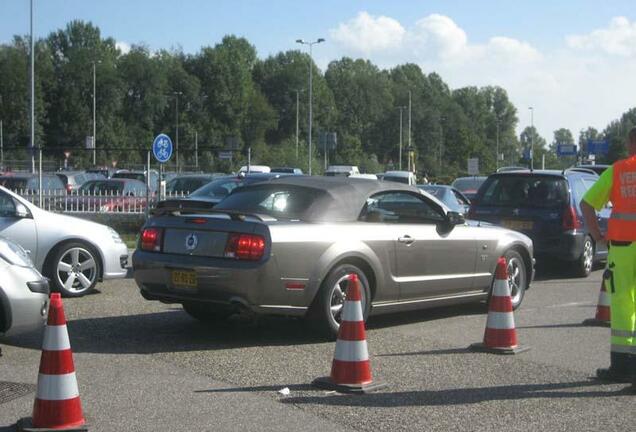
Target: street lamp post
{"x": 176, "y": 109}
{"x": 497, "y": 146}
{"x": 297, "y": 124}
{"x": 32, "y": 95}
{"x": 531, "y": 137}
{"x": 94, "y": 109}
{"x": 410, "y": 148}
{"x": 311, "y": 44}
{"x": 441, "y": 143}
{"x": 401, "y": 108}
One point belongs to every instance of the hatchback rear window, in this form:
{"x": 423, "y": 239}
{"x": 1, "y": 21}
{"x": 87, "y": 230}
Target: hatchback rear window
{"x": 524, "y": 191}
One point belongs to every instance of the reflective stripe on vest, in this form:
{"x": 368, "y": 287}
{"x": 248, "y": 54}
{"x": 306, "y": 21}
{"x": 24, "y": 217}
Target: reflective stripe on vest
{"x": 621, "y": 225}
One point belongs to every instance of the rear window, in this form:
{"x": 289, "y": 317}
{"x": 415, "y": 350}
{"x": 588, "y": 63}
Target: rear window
{"x": 280, "y": 201}
{"x": 435, "y": 191}
{"x": 134, "y": 176}
{"x": 524, "y": 191}
{"x": 14, "y": 183}
{"x": 103, "y": 187}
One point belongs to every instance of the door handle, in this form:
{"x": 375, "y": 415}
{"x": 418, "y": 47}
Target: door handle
{"x": 407, "y": 239}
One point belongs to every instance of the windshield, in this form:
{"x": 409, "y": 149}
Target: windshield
{"x": 468, "y": 184}
{"x": 102, "y": 187}
{"x": 280, "y": 201}
{"x": 525, "y": 191}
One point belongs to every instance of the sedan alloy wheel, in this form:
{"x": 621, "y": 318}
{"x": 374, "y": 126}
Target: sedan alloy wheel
{"x": 76, "y": 271}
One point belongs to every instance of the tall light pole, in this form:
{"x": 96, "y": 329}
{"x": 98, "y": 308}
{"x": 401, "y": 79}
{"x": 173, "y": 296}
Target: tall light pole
{"x": 401, "y": 108}
{"x": 497, "y": 148}
{"x": 176, "y": 109}
{"x": 410, "y": 149}
{"x": 32, "y": 95}
{"x": 441, "y": 143}
{"x": 531, "y": 137}
{"x": 297, "y": 124}
{"x": 311, "y": 61}
{"x": 94, "y": 121}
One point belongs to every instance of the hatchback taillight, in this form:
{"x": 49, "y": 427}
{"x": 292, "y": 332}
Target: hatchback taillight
{"x": 570, "y": 221}
{"x": 151, "y": 239}
{"x": 245, "y": 246}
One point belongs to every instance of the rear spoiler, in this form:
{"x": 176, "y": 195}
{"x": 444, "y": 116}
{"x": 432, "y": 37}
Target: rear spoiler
{"x": 183, "y": 207}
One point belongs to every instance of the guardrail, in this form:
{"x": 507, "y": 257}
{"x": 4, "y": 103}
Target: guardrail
{"x": 83, "y": 202}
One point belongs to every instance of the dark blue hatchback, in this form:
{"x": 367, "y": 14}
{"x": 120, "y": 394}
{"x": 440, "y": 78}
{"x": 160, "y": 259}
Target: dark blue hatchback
{"x": 544, "y": 205}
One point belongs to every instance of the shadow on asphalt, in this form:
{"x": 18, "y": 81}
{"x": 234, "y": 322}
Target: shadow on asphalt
{"x": 460, "y": 396}
{"x": 175, "y": 331}
{"x": 559, "y": 270}
{"x": 565, "y": 325}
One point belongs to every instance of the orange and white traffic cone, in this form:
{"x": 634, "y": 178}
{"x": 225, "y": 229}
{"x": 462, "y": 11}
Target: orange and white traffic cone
{"x": 351, "y": 368}
{"x": 602, "y": 318}
{"x": 57, "y": 404}
{"x": 501, "y": 335}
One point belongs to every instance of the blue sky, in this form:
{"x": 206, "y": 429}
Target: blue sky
{"x": 572, "y": 60}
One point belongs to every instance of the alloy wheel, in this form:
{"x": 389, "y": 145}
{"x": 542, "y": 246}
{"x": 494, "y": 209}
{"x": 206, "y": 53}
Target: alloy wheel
{"x": 76, "y": 270}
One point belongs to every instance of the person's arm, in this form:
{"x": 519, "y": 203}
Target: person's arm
{"x": 589, "y": 214}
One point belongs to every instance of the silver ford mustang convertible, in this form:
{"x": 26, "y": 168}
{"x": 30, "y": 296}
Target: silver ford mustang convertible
{"x": 287, "y": 247}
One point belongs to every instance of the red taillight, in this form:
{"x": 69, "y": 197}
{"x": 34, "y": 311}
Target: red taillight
{"x": 245, "y": 246}
{"x": 151, "y": 239}
{"x": 570, "y": 221}
{"x": 69, "y": 188}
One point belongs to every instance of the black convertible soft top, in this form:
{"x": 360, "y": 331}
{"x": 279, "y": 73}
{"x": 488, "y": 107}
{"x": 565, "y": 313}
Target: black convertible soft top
{"x": 338, "y": 199}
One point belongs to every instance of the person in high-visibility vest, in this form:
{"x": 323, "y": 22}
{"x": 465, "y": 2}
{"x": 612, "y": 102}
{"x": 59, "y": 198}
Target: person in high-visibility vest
{"x": 618, "y": 185}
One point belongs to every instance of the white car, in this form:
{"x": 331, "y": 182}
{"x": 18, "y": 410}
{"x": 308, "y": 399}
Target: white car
{"x": 24, "y": 293}
{"x": 74, "y": 253}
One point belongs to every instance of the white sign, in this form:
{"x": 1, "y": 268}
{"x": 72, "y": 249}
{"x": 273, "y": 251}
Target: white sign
{"x": 473, "y": 166}
{"x": 90, "y": 143}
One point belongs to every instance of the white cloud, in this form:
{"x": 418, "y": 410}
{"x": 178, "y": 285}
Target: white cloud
{"x": 122, "y": 46}
{"x": 367, "y": 34}
{"x": 619, "y": 38}
{"x": 573, "y": 84}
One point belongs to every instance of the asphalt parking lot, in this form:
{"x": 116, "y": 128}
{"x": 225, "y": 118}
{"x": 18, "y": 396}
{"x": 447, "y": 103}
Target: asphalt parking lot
{"x": 147, "y": 366}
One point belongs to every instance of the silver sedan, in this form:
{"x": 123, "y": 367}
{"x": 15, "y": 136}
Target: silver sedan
{"x": 288, "y": 246}
{"x": 74, "y": 253}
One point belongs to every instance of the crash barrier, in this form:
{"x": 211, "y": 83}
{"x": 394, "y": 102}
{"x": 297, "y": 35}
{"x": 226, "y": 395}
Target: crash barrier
{"x": 351, "y": 367}
{"x": 602, "y": 318}
{"x": 500, "y": 336}
{"x": 90, "y": 202}
{"x": 57, "y": 403}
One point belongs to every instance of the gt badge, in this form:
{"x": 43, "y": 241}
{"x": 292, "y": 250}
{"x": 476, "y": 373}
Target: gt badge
{"x": 191, "y": 241}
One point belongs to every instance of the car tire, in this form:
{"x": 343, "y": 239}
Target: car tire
{"x": 517, "y": 277}
{"x": 74, "y": 268}
{"x": 585, "y": 263}
{"x": 325, "y": 312}
{"x": 206, "y": 313}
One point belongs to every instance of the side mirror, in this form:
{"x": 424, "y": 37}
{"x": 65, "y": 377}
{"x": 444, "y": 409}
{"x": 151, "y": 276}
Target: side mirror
{"x": 455, "y": 218}
{"x": 21, "y": 211}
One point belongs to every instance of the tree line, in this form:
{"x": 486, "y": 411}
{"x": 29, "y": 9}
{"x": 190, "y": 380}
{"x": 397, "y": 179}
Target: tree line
{"x": 225, "y": 98}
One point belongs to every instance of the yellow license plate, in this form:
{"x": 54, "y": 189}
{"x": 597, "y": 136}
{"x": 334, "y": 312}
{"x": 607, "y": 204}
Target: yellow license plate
{"x": 186, "y": 279}
{"x": 517, "y": 224}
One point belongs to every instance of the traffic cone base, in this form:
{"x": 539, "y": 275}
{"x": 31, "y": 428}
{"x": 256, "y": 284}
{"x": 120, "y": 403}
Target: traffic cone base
{"x": 500, "y": 336}
{"x": 593, "y": 322}
{"x": 26, "y": 425}
{"x": 481, "y": 347}
{"x": 351, "y": 368}
{"x": 326, "y": 383}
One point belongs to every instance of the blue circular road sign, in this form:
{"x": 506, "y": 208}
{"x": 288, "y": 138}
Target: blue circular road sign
{"x": 162, "y": 148}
